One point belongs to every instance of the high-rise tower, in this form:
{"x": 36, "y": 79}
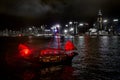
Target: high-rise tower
{"x": 100, "y": 20}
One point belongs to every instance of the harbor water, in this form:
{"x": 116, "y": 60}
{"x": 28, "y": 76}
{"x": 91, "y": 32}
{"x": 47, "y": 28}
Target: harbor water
{"x": 98, "y": 59}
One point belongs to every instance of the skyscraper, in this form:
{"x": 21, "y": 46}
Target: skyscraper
{"x": 100, "y": 21}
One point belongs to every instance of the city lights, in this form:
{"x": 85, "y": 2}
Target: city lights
{"x": 56, "y": 28}
{"x": 105, "y": 21}
{"x": 65, "y": 31}
{"x": 66, "y": 25}
{"x": 115, "y": 20}
{"x": 71, "y": 29}
{"x": 57, "y": 25}
{"x": 70, "y": 22}
{"x": 30, "y": 28}
{"x": 106, "y": 26}
{"x": 81, "y": 24}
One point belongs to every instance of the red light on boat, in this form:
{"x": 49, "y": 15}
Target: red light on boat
{"x": 49, "y": 52}
{"x": 24, "y": 50}
{"x": 43, "y": 52}
{"x": 69, "y": 46}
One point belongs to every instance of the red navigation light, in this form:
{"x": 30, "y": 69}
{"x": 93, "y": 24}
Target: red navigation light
{"x": 69, "y": 46}
{"x": 24, "y": 50}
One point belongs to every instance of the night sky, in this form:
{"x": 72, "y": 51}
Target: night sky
{"x": 20, "y": 13}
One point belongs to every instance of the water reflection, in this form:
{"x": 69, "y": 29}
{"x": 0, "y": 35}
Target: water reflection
{"x": 98, "y": 59}
{"x": 50, "y": 73}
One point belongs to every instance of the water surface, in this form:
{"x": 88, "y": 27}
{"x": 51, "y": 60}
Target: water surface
{"x": 98, "y": 59}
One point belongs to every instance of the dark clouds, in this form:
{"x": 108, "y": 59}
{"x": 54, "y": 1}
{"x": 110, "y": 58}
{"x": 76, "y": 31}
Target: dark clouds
{"x": 41, "y": 7}
{"x": 86, "y": 7}
{"x": 58, "y": 9}
{"x": 33, "y": 8}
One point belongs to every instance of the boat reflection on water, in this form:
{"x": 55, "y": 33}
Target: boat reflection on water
{"x": 49, "y": 73}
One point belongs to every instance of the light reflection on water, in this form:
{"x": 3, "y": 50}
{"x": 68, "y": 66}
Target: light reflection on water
{"x": 98, "y": 59}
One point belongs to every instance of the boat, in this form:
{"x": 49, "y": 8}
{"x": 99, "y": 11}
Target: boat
{"x": 49, "y": 56}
